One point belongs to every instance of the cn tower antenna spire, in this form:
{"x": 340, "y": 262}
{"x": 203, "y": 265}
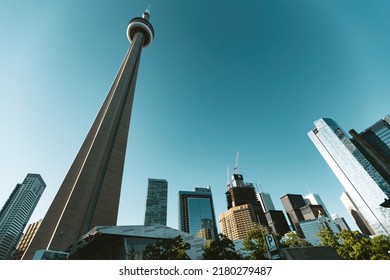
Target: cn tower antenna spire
{"x": 146, "y": 14}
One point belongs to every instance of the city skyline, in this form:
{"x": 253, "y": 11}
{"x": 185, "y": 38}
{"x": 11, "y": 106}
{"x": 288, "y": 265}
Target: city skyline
{"x": 205, "y": 92}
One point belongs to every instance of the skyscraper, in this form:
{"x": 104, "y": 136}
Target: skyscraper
{"x": 89, "y": 194}
{"x": 156, "y": 203}
{"x": 311, "y": 228}
{"x": 374, "y": 144}
{"x": 315, "y": 199}
{"x": 241, "y": 193}
{"x": 292, "y": 204}
{"x": 265, "y": 201}
{"x": 196, "y": 213}
{"x": 356, "y": 169}
{"x": 362, "y": 224}
{"x": 341, "y": 222}
{"x": 25, "y": 240}
{"x": 277, "y": 222}
{"x": 16, "y": 212}
{"x": 238, "y": 221}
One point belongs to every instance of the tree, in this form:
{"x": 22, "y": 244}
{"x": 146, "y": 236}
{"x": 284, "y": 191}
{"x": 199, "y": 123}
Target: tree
{"x": 328, "y": 238}
{"x": 352, "y": 245}
{"x": 167, "y": 249}
{"x": 221, "y": 249}
{"x": 355, "y": 246}
{"x": 291, "y": 239}
{"x": 380, "y": 248}
{"x": 254, "y": 242}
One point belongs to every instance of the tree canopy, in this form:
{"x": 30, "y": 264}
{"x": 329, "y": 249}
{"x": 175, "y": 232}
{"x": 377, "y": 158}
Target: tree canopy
{"x": 221, "y": 249}
{"x": 352, "y": 245}
{"x": 167, "y": 249}
{"x": 291, "y": 239}
{"x": 254, "y": 242}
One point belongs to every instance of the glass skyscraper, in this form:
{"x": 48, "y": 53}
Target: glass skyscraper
{"x": 355, "y": 167}
{"x": 156, "y": 203}
{"x": 196, "y": 213}
{"x": 16, "y": 212}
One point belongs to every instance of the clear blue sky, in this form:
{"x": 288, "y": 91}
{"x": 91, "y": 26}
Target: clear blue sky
{"x": 221, "y": 77}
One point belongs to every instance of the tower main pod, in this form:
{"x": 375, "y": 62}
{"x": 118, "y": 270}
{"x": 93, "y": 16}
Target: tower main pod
{"x": 89, "y": 195}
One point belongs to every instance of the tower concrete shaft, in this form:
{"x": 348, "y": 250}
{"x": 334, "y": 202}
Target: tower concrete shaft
{"x": 89, "y": 195}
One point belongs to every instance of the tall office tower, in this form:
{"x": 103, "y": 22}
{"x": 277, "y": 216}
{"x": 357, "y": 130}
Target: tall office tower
{"x": 341, "y": 222}
{"x": 241, "y": 193}
{"x": 366, "y": 187}
{"x": 236, "y": 222}
{"x": 89, "y": 194}
{"x": 292, "y": 204}
{"x": 374, "y": 144}
{"x": 265, "y": 201}
{"x": 196, "y": 213}
{"x": 156, "y": 203}
{"x": 315, "y": 199}
{"x": 277, "y": 222}
{"x": 362, "y": 224}
{"x": 16, "y": 212}
{"x": 25, "y": 240}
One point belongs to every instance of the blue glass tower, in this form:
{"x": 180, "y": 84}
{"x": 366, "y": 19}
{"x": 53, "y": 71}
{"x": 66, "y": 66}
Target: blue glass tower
{"x": 196, "y": 213}
{"x": 363, "y": 182}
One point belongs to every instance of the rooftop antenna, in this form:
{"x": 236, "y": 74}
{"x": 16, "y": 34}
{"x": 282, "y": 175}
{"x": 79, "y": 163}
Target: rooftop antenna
{"x": 146, "y": 14}
{"x": 236, "y": 166}
{"x": 308, "y": 189}
{"x": 228, "y": 178}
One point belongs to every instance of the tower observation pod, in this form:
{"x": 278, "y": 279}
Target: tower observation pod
{"x": 139, "y": 28}
{"x": 90, "y": 192}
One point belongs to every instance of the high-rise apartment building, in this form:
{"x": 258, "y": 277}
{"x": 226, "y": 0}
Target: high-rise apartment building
{"x": 156, "y": 203}
{"x": 360, "y": 164}
{"x": 25, "y": 240}
{"x": 89, "y": 195}
{"x": 236, "y": 222}
{"x": 196, "y": 213}
{"x": 16, "y": 212}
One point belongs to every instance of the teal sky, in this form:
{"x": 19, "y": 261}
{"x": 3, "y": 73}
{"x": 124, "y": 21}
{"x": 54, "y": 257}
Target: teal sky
{"x": 221, "y": 77}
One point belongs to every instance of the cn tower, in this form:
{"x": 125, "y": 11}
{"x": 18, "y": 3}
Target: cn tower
{"x": 89, "y": 195}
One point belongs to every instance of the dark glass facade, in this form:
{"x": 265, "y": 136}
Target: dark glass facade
{"x": 196, "y": 213}
{"x": 156, "y": 203}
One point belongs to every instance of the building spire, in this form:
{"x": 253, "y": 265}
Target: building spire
{"x": 146, "y": 14}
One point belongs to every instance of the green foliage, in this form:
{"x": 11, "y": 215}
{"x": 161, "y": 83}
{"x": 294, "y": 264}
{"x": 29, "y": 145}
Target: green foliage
{"x": 329, "y": 239}
{"x": 220, "y": 249}
{"x": 380, "y": 248}
{"x": 254, "y": 242}
{"x": 167, "y": 249}
{"x": 352, "y": 245}
{"x": 293, "y": 240}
